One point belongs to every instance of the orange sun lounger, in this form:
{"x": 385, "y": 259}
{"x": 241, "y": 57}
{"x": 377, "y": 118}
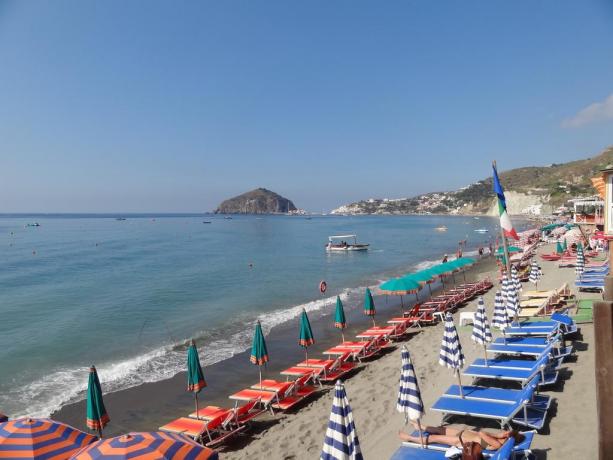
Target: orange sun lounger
{"x": 208, "y": 432}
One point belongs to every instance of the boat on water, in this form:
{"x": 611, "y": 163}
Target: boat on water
{"x": 120, "y": 218}
{"x": 228, "y": 218}
{"x": 441, "y": 228}
{"x": 33, "y": 224}
{"x": 481, "y": 230}
{"x": 206, "y": 221}
{"x": 338, "y": 243}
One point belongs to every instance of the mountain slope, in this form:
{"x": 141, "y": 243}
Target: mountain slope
{"x": 258, "y": 201}
{"x": 528, "y": 189}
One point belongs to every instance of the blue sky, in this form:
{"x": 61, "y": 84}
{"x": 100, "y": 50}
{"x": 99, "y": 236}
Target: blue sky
{"x": 174, "y": 106}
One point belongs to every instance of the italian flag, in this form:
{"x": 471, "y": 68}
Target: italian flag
{"x": 505, "y": 221}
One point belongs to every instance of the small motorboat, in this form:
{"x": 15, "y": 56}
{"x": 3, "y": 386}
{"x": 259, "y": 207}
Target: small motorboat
{"x": 228, "y": 218}
{"x": 120, "y": 218}
{"x": 481, "y": 230}
{"x": 33, "y": 224}
{"x": 441, "y": 228}
{"x": 338, "y": 243}
{"x": 206, "y": 221}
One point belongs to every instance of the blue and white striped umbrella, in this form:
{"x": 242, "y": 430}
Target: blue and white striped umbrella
{"x": 499, "y": 320}
{"x": 341, "y": 441}
{"x": 409, "y": 397}
{"x": 512, "y": 304}
{"x": 580, "y": 263}
{"x": 515, "y": 279}
{"x": 535, "y": 272}
{"x": 481, "y": 327}
{"x": 451, "y": 354}
{"x": 505, "y": 285}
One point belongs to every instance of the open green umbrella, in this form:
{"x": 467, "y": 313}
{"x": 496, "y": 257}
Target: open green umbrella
{"x": 306, "y": 334}
{"x": 97, "y": 417}
{"x": 559, "y": 249}
{"x": 426, "y": 276}
{"x": 512, "y": 249}
{"x": 339, "y": 317}
{"x": 195, "y": 377}
{"x": 400, "y": 286}
{"x": 369, "y": 306}
{"x": 259, "y": 353}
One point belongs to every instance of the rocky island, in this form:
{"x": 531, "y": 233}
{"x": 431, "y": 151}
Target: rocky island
{"x": 258, "y": 201}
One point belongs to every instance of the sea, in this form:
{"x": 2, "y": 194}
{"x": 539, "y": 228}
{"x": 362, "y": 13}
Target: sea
{"x": 126, "y": 294}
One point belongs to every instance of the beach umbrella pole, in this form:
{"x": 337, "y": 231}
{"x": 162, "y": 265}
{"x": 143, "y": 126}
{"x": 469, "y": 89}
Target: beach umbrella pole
{"x": 460, "y": 383}
{"x": 373, "y": 321}
{"x": 421, "y": 434}
{"x": 196, "y": 399}
{"x": 342, "y": 335}
{"x": 485, "y": 354}
{"x": 260, "y": 369}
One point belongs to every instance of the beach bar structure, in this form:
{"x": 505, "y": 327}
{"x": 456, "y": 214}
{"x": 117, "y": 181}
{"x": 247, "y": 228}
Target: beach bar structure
{"x": 603, "y": 328}
{"x": 588, "y": 211}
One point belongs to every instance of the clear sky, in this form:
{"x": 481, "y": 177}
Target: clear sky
{"x": 157, "y": 106}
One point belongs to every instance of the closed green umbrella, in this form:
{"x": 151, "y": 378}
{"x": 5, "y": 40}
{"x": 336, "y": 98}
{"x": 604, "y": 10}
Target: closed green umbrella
{"x": 259, "y": 353}
{"x": 564, "y": 245}
{"x": 559, "y": 248}
{"x": 339, "y": 317}
{"x": 195, "y": 377}
{"x": 306, "y": 334}
{"x": 97, "y": 417}
{"x": 369, "y": 306}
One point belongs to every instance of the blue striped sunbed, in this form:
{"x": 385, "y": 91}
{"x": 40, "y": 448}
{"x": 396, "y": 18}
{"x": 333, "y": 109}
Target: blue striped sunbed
{"x": 502, "y": 411}
{"x": 529, "y": 331}
{"x": 406, "y": 452}
{"x": 523, "y": 376}
{"x": 540, "y": 342}
{"x": 521, "y": 350}
{"x": 522, "y": 449}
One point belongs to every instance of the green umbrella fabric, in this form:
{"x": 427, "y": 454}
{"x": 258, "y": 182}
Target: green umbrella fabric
{"x": 422, "y": 276}
{"x": 579, "y": 246}
{"x": 195, "y": 377}
{"x": 559, "y": 249}
{"x": 564, "y": 245}
{"x": 306, "y": 334}
{"x": 259, "y": 353}
{"x": 369, "y": 304}
{"x": 464, "y": 261}
{"x": 400, "y": 286}
{"x": 97, "y": 417}
{"x": 443, "y": 269}
{"x": 512, "y": 249}
{"x": 339, "y": 315}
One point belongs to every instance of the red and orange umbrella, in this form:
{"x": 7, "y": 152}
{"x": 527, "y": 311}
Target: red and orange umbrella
{"x": 40, "y": 439}
{"x": 145, "y": 446}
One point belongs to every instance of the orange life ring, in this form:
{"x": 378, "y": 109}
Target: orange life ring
{"x": 323, "y": 286}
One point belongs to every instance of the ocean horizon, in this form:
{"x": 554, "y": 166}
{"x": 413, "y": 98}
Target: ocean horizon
{"x": 126, "y": 295}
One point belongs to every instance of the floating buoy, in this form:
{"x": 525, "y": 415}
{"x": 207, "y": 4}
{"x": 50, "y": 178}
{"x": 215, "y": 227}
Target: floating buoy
{"x": 323, "y": 286}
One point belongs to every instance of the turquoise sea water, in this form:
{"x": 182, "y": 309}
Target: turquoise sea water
{"x": 125, "y": 295}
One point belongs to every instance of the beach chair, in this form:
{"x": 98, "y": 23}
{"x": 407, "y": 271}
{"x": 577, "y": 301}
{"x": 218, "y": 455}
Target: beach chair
{"x": 247, "y": 412}
{"x": 518, "y": 330}
{"x": 209, "y": 412}
{"x": 210, "y": 433}
{"x": 528, "y": 351}
{"x": 409, "y": 452}
{"x": 503, "y": 412}
{"x": 544, "y": 365}
{"x": 521, "y": 450}
{"x": 361, "y": 349}
{"x": 332, "y": 369}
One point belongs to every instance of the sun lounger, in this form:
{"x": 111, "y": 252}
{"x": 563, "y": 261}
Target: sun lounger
{"x": 517, "y": 330}
{"x": 209, "y": 412}
{"x": 331, "y": 369}
{"x": 543, "y": 365}
{"x": 521, "y": 450}
{"x": 504, "y": 412}
{"x": 410, "y": 452}
{"x": 283, "y": 397}
{"x": 209, "y": 432}
{"x": 535, "y": 352}
{"x": 360, "y": 350}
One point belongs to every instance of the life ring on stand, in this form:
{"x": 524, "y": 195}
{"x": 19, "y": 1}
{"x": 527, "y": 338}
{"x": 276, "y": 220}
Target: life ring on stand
{"x": 323, "y": 286}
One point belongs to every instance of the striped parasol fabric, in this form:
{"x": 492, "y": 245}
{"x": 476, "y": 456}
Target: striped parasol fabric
{"x": 156, "y": 445}
{"x": 481, "y": 327}
{"x": 515, "y": 279}
{"x": 40, "y": 439}
{"x": 409, "y": 397}
{"x": 499, "y": 319}
{"x": 451, "y": 354}
{"x": 512, "y": 305}
{"x": 535, "y": 272}
{"x": 341, "y": 441}
{"x": 504, "y": 287}
{"x": 580, "y": 263}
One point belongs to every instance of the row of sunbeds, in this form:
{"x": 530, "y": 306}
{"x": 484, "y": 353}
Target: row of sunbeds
{"x": 449, "y": 301}
{"x": 592, "y": 278}
{"x": 530, "y": 355}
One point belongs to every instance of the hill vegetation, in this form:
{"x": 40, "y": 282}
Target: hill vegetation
{"x": 258, "y": 201}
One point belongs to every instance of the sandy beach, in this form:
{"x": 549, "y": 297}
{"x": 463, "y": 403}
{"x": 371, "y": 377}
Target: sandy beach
{"x": 569, "y": 433}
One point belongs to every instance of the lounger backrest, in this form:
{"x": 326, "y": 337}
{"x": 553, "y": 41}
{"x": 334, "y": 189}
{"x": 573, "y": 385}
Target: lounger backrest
{"x": 246, "y": 408}
{"x": 302, "y": 381}
{"x": 560, "y": 318}
{"x": 345, "y": 356}
{"x": 217, "y": 422}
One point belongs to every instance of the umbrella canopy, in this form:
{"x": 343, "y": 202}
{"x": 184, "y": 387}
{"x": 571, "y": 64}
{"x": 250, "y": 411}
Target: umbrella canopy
{"x": 504, "y": 287}
{"x": 195, "y": 377}
{"x": 515, "y": 279}
{"x": 580, "y": 263}
{"x": 535, "y": 272}
{"x": 306, "y": 334}
{"x": 512, "y": 305}
{"x": 499, "y": 320}
{"x": 339, "y": 315}
{"x": 512, "y": 249}
{"x": 369, "y": 305}
{"x": 97, "y": 418}
{"x": 559, "y": 249}
{"x": 41, "y": 439}
{"x": 564, "y": 245}
{"x": 409, "y": 397}
{"x": 481, "y": 327}
{"x": 341, "y": 441}
{"x": 259, "y": 352}
{"x": 145, "y": 446}
{"x": 451, "y": 354}
{"x": 422, "y": 276}
{"x": 400, "y": 286}
{"x": 444, "y": 269}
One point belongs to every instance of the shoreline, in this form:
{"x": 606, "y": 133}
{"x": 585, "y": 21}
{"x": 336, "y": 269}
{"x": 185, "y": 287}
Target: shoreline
{"x": 147, "y": 406}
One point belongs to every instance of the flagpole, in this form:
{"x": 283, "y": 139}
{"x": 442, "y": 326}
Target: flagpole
{"x": 504, "y": 241}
